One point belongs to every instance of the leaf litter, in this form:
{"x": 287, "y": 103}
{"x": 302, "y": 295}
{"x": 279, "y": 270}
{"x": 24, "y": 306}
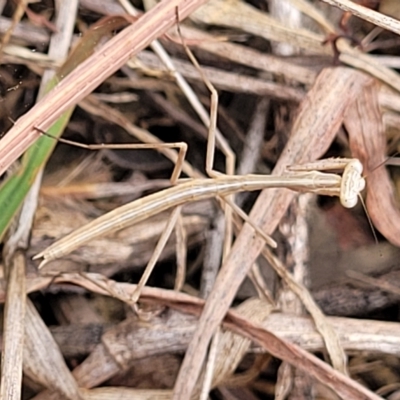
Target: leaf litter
{"x": 315, "y": 109}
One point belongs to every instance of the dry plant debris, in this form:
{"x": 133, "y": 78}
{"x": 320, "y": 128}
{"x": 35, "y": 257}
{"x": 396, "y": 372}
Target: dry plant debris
{"x": 297, "y": 81}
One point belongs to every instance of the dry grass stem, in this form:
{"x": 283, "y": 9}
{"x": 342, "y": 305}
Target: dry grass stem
{"x": 13, "y": 343}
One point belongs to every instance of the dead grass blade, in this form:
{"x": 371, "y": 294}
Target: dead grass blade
{"x": 43, "y": 361}
{"x": 13, "y": 340}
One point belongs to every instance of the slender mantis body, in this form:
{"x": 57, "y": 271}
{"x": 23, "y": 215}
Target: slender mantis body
{"x": 347, "y": 187}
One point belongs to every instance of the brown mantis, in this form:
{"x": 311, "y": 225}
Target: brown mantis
{"x": 347, "y": 187}
{"x": 301, "y": 178}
